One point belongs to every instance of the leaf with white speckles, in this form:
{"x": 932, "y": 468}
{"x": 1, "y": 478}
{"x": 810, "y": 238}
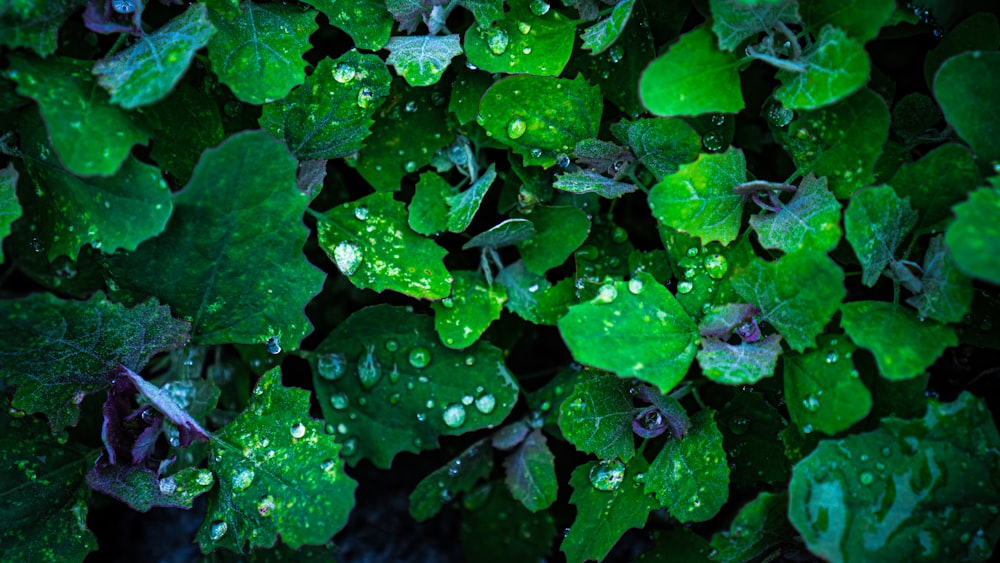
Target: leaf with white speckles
{"x": 461, "y": 318}
{"x": 421, "y": 60}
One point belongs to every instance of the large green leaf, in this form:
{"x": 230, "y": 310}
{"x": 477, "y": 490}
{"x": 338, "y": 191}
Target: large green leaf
{"x": 278, "y": 473}
{"x": 258, "y": 54}
{"x": 464, "y": 205}
{"x": 836, "y": 67}
{"x": 978, "y": 32}
{"x": 559, "y": 231}
{"x": 940, "y": 179}
{"x": 903, "y": 345}
{"x": 597, "y": 417}
{"x": 798, "y": 294}
{"x": 370, "y": 242}
{"x": 56, "y": 352}
{"x": 810, "y": 220}
{"x": 875, "y": 223}
{"x": 328, "y": 117}
{"x": 462, "y": 317}
{"x": 635, "y": 329}
{"x": 421, "y": 60}
{"x": 972, "y": 238}
{"x": 965, "y": 87}
{"x": 823, "y": 389}
{"x": 386, "y": 385}
{"x": 148, "y": 70}
{"x": 183, "y": 126}
{"x": 90, "y": 136}
{"x": 693, "y": 77}
{"x": 523, "y": 42}
{"x": 540, "y": 116}
{"x": 366, "y": 21}
{"x": 699, "y": 198}
{"x": 241, "y": 207}
{"x": 10, "y": 209}
{"x": 861, "y": 19}
{"x": 912, "y": 490}
{"x": 734, "y": 22}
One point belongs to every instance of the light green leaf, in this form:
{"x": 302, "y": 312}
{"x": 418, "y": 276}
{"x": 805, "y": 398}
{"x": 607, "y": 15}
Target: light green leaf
{"x": 734, "y": 22}
{"x": 973, "y": 237}
{"x": 422, "y": 59}
{"x": 531, "y": 473}
{"x": 429, "y": 209}
{"x": 811, "y": 220}
{"x": 940, "y": 179}
{"x": 329, "y": 116}
{"x": 798, "y": 294}
{"x": 603, "y": 34}
{"x": 894, "y": 494}
{"x": 875, "y": 223}
{"x": 539, "y": 116}
{"x": 258, "y": 54}
{"x": 505, "y": 233}
{"x": 822, "y": 387}
{"x": 278, "y": 473}
{"x": 603, "y": 515}
{"x": 148, "y": 70}
{"x": 699, "y": 198}
{"x": 386, "y": 385}
{"x": 241, "y": 207}
{"x": 861, "y": 19}
{"x": 226, "y": 8}
{"x": 485, "y": 11}
{"x": 90, "y": 136}
{"x": 459, "y": 475}
{"x": 693, "y": 77}
{"x": 522, "y": 42}
{"x": 946, "y": 293}
{"x": 559, "y": 231}
{"x": 370, "y": 242}
{"x": 690, "y": 476}
{"x": 366, "y": 21}
{"x": 903, "y": 345}
{"x": 745, "y": 363}
{"x": 635, "y": 329}
{"x": 10, "y": 209}
{"x": 465, "y": 204}
{"x": 661, "y": 145}
{"x": 461, "y": 318}
{"x": 836, "y": 67}
{"x": 841, "y": 142}
{"x": 965, "y": 87}
{"x": 761, "y": 525}
{"x": 597, "y": 417}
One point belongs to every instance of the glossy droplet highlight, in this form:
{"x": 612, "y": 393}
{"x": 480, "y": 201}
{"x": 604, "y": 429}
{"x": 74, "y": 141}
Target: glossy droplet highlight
{"x": 344, "y": 73}
{"x": 369, "y": 368}
{"x": 516, "y": 128}
{"x": 219, "y": 529}
{"x": 273, "y": 345}
{"x": 616, "y": 54}
{"x": 339, "y": 401}
{"x": 265, "y": 507}
{"x": 454, "y": 415}
{"x": 606, "y": 294}
{"x": 779, "y": 116}
{"x": 298, "y": 430}
{"x": 539, "y": 7}
{"x": 635, "y": 286}
{"x": 205, "y": 478}
{"x": 832, "y": 357}
{"x": 419, "y": 357}
{"x": 716, "y": 266}
{"x": 391, "y": 345}
{"x": 866, "y": 478}
{"x": 168, "y": 485}
{"x": 243, "y": 478}
{"x": 524, "y": 27}
{"x": 497, "y": 41}
{"x": 685, "y": 287}
{"x": 811, "y": 403}
{"x": 361, "y": 212}
{"x": 347, "y": 255}
{"x": 486, "y": 403}
{"x": 607, "y": 475}
{"x": 331, "y": 366}
{"x": 365, "y": 97}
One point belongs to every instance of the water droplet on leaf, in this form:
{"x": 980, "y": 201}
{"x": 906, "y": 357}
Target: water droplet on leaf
{"x": 339, "y": 401}
{"x": 607, "y": 475}
{"x": 168, "y": 485}
{"x": 716, "y": 266}
{"x": 539, "y": 7}
{"x": 273, "y": 345}
{"x": 420, "y": 357}
{"x": 365, "y": 97}
{"x": 866, "y": 478}
{"x": 347, "y": 255}
{"x": 298, "y": 430}
{"x": 369, "y": 368}
{"x": 243, "y": 478}
{"x": 219, "y": 529}
{"x": 606, "y": 294}
{"x": 205, "y": 478}
{"x": 524, "y": 27}
{"x": 331, "y": 366}
{"x": 361, "y": 212}
{"x": 516, "y": 128}
{"x": 685, "y": 287}
{"x": 635, "y": 286}
{"x": 454, "y": 415}
{"x": 486, "y": 403}
{"x": 616, "y": 53}
{"x": 344, "y": 73}
{"x": 265, "y": 507}
{"x": 497, "y": 41}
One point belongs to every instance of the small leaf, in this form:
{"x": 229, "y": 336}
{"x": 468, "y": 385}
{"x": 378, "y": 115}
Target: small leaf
{"x": 603, "y": 34}
{"x": 522, "y": 42}
{"x": 423, "y": 59}
{"x": 597, "y": 417}
{"x": 973, "y": 236}
{"x": 141, "y": 489}
{"x": 810, "y": 220}
{"x": 465, "y": 204}
{"x": 531, "y": 473}
{"x": 798, "y": 294}
{"x": 861, "y": 19}
{"x": 10, "y": 209}
{"x": 588, "y": 181}
{"x": 457, "y": 476}
{"x": 822, "y": 387}
{"x": 366, "y": 21}
{"x": 503, "y": 234}
{"x": 461, "y": 318}
{"x": 903, "y": 345}
{"x": 258, "y": 54}
{"x": 661, "y": 145}
{"x": 559, "y": 232}
{"x": 739, "y": 364}
{"x": 978, "y": 32}
{"x": 635, "y": 329}
{"x": 875, "y": 223}
{"x": 733, "y": 22}
{"x": 946, "y": 295}
{"x": 429, "y": 209}
{"x": 693, "y": 77}
{"x": 760, "y": 526}
{"x": 690, "y": 476}
{"x": 148, "y": 70}
{"x": 699, "y": 198}
{"x": 528, "y": 294}
{"x": 370, "y": 242}
{"x": 964, "y": 87}
{"x": 836, "y": 67}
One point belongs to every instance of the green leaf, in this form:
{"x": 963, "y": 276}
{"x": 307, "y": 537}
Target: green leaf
{"x": 914, "y": 115}
{"x": 811, "y": 220}
{"x": 699, "y": 198}
{"x": 822, "y": 387}
{"x": 370, "y": 242}
{"x": 903, "y": 345}
{"x": 751, "y": 428}
{"x": 461, "y": 318}
{"x": 761, "y": 525}
{"x": 43, "y": 506}
{"x": 531, "y": 473}
{"x": 734, "y": 22}
{"x": 258, "y": 54}
{"x": 225, "y": 8}
{"x": 836, "y": 67}
{"x": 894, "y": 494}
{"x": 978, "y": 32}
{"x": 183, "y": 126}
{"x": 10, "y": 209}
{"x": 739, "y": 364}
{"x": 485, "y": 11}
{"x": 141, "y": 489}
{"x": 522, "y": 42}
{"x": 90, "y": 136}
{"x": 693, "y": 77}
{"x": 946, "y": 294}
{"x": 366, "y": 21}
{"x": 55, "y": 352}
{"x": 531, "y": 296}
{"x": 635, "y": 329}
{"x": 488, "y": 539}
{"x": 677, "y": 544}
{"x": 328, "y": 116}
{"x": 940, "y": 179}
{"x": 465, "y": 204}
{"x": 661, "y": 145}
{"x": 589, "y": 181}
{"x": 539, "y": 116}
{"x": 466, "y": 92}
{"x": 429, "y": 210}
{"x": 875, "y": 223}
{"x": 603, "y": 34}
{"x": 597, "y": 417}
{"x": 559, "y": 231}
{"x": 106, "y": 212}
{"x": 240, "y": 207}
{"x": 690, "y": 476}
{"x": 386, "y": 385}
{"x": 459, "y": 475}
{"x": 602, "y": 515}
{"x": 277, "y": 473}
{"x": 505, "y": 233}
{"x": 148, "y": 70}
{"x": 973, "y": 237}
{"x": 965, "y": 87}
{"x": 421, "y": 60}
{"x": 798, "y": 294}
{"x": 841, "y": 142}
{"x": 861, "y": 19}
{"x": 34, "y": 24}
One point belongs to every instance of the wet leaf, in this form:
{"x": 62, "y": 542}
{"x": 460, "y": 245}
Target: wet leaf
{"x": 522, "y": 42}
{"x": 972, "y": 237}
{"x": 421, "y": 60}
{"x": 531, "y": 473}
{"x": 811, "y": 220}
{"x": 739, "y": 364}
{"x": 34, "y": 24}
{"x": 366, "y": 21}
{"x": 946, "y": 294}
{"x": 836, "y": 67}
{"x": 761, "y": 525}
{"x": 559, "y": 231}
{"x": 603, "y": 34}
{"x": 530, "y": 296}
{"x": 462, "y": 317}
{"x": 458, "y": 476}
{"x": 661, "y": 145}
{"x": 964, "y": 87}
{"x": 588, "y": 181}
{"x": 10, "y": 209}
{"x": 861, "y": 19}
{"x": 597, "y": 417}
{"x": 464, "y": 205}
{"x": 429, "y": 210}
{"x": 733, "y": 22}
{"x": 875, "y": 223}
{"x": 822, "y": 387}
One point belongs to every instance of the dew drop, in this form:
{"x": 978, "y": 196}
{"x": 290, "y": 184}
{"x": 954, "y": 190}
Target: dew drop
{"x": 347, "y": 255}
{"x": 526, "y": 50}
{"x": 607, "y": 475}
{"x": 516, "y": 128}
{"x": 606, "y": 294}
{"x": 811, "y": 403}
{"x": 243, "y": 478}
{"x": 739, "y": 425}
{"x": 719, "y": 119}
{"x": 339, "y": 401}
{"x": 168, "y": 485}
{"x": 298, "y": 430}
{"x": 524, "y": 27}
{"x": 486, "y": 403}
{"x": 635, "y": 286}
{"x": 265, "y": 507}
{"x": 391, "y": 345}
{"x": 807, "y": 429}
{"x": 331, "y": 366}
{"x": 616, "y": 54}
{"x": 349, "y": 447}
{"x": 716, "y": 266}
{"x": 712, "y": 142}
{"x": 361, "y": 212}
{"x": 394, "y": 399}
{"x": 866, "y": 478}
{"x": 365, "y": 97}
{"x": 344, "y": 73}
{"x": 454, "y": 415}
{"x": 219, "y": 529}
{"x": 497, "y": 41}
{"x": 470, "y": 360}
{"x": 536, "y": 152}
{"x": 369, "y": 369}
{"x": 420, "y": 357}
{"x": 468, "y": 400}
{"x": 273, "y": 345}
{"x": 205, "y": 478}
{"x": 411, "y": 106}
{"x": 539, "y": 7}
{"x": 685, "y": 287}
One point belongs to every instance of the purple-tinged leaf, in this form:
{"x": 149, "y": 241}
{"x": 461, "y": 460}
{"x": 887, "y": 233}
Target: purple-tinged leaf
{"x": 189, "y": 428}
{"x": 649, "y": 423}
{"x": 142, "y": 489}
{"x": 410, "y": 13}
{"x": 311, "y": 174}
{"x": 145, "y": 442}
{"x": 100, "y": 17}
{"x": 531, "y": 473}
{"x": 946, "y": 293}
{"x": 511, "y": 435}
{"x": 875, "y": 223}
{"x": 587, "y": 181}
{"x": 669, "y": 408}
{"x": 724, "y": 319}
{"x": 603, "y": 157}
{"x": 810, "y": 220}
{"x": 739, "y": 364}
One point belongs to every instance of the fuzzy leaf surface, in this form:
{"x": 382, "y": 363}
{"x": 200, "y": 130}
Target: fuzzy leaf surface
{"x": 875, "y": 223}
{"x": 836, "y": 67}
{"x": 822, "y": 387}
{"x": 597, "y": 417}
{"x": 421, "y": 60}
{"x": 733, "y": 22}
{"x": 459, "y": 475}
{"x": 461, "y": 318}
{"x": 946, "y": 293}
{"x": 603, "y": 34}
{"x": 366, "y": 21}
{"x": 811, "y": 220}
{"x": 661, "y": 145}
{"x": 531, "y": 473}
